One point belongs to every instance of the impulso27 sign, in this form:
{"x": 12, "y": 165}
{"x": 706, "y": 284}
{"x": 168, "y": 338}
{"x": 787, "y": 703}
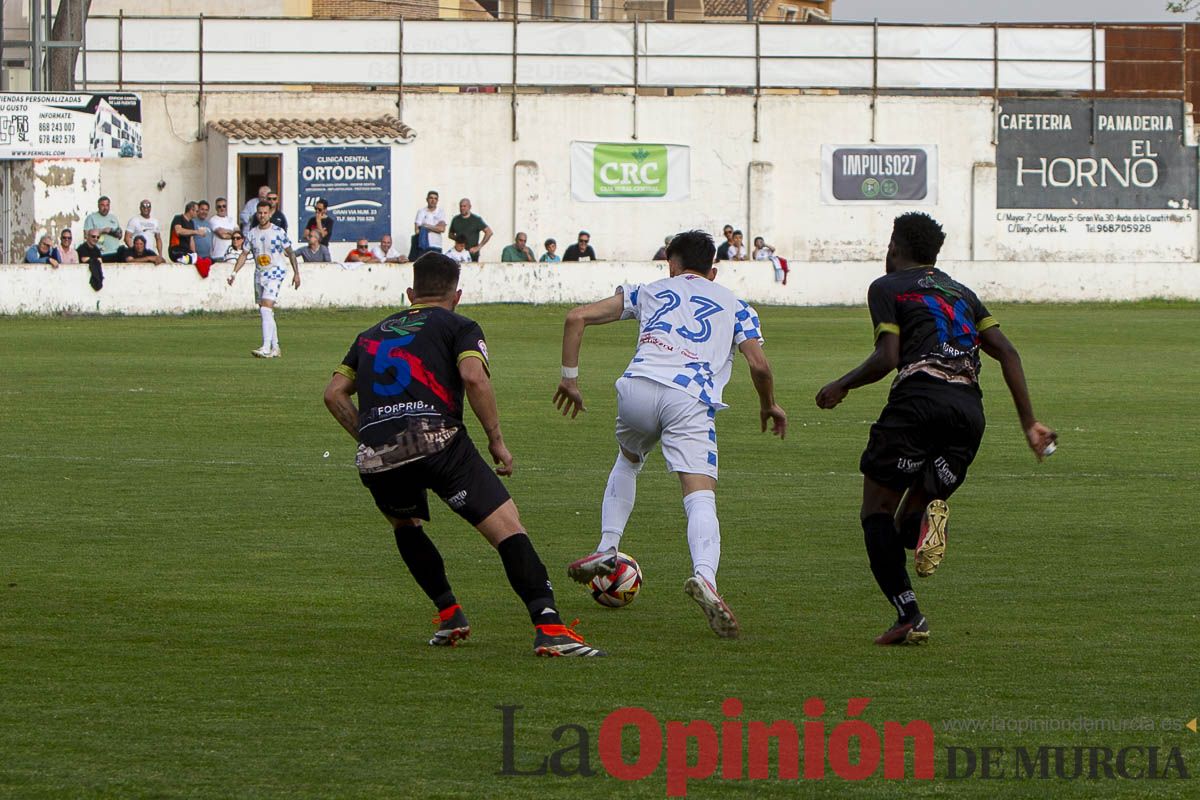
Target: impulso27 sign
{"x": 878, "y": 174}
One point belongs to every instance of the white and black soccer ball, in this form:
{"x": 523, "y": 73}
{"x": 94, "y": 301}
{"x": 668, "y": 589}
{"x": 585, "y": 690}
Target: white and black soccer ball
{"x": 621, "y": 587}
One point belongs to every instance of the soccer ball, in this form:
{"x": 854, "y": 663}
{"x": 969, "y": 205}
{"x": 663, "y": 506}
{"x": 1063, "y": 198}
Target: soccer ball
{"x": 618, "y": 589}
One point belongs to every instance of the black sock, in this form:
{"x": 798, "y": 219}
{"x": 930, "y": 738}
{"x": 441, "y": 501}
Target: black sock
{"x": 425, "y": 563}
{"x": 886, "y": 552}
{"x": 910, "y": 529}
{"x": 529, "y": 580}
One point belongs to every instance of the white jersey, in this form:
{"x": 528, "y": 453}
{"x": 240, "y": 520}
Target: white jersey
{"x": 690, "y": 329}
{"x": 266, "y": 246}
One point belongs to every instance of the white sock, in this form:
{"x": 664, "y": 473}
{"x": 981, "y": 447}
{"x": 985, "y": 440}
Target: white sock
{"x": 619, "y": 497}
{"x": 268, "y": 326}
{"x": 704, "y": 533}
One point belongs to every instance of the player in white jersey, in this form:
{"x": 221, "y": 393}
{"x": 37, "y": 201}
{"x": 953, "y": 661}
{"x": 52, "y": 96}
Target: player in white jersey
{"x": 690, "y": 329}
{"x": 268, "y": 244}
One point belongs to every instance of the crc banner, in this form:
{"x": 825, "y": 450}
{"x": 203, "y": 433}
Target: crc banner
{"x": 355, "y": 182}
{"x": 1094, "y": 154}
{"x": 865, "y": 174}
{"x": 630, "y": 171}
{"x": 66, "y": 125}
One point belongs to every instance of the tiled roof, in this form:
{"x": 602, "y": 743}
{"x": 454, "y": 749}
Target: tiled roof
{"x": 732, "y": 8}
{"x": 384, "y": 129}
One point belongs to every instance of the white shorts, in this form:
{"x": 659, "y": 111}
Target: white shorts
{"x": 650, "y": 412}
{"x": 267, "y": 289}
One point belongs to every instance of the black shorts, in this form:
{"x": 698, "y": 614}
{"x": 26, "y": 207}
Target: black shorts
{"x": 927, "y": 435}
{"x": 458, "y": 474}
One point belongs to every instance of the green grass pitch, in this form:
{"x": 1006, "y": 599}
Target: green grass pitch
{"x": 194, "y": 602}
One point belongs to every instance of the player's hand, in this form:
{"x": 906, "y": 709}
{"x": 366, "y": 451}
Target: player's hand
{"x": 568, "y": 398}
{"x": 778, "y": 418}
{"x": 296, "y": 281}
{"x": 831, "y": 394}
{"x": 1039, "y": 437}
{"x": 502, "y": 457}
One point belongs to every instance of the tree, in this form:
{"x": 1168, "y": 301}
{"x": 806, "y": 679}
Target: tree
{"x": 67, "y": 27}
{"x": 1184, "y": 7}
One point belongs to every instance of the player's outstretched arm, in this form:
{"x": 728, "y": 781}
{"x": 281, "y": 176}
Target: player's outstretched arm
{"x": 883, "y": 360}
{"x": 997, "y": 345}
{"x": 764, "y": 384}
{"x": 338, "y": 400}
{"x": 482, "y": 398}
{"x": 568, "y": 398}
{"x": 240, "y": 261}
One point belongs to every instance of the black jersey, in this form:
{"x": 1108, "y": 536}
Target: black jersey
{"x": 410, "y": 393}
{"x": 937, "y": 319}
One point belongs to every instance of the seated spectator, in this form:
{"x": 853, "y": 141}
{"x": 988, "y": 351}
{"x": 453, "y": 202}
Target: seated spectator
{"x": 362, "y": 253}
{"x": 315, "y": 251}
{"x": 322, "y": 222}
{"x": 737, "y": 248}
{"x": 387, "y": 254}
{"x": 723, "y": 249}
{"x": 551, "y": 253}
{"x": 139, "y": 254}
{"x": 661, "y": 253}
{"x": 43, "y": 252}
{"x": 90, "y": 253}
{"x": 459, "y": 252}
{"x": 581, "y": 250}
{"x": 66, "y": 249}
{"x": 518, "y": 250}
{"x": 237, "y": 243}
{"x": 764, "y": 252}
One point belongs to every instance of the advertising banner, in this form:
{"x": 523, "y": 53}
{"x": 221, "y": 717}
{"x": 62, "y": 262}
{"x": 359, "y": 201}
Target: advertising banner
{"x": 634, "y": 171}
{"x": 355, "y": 182}
{"x": 865, "y": 174}
{"x": 67, "y": 125}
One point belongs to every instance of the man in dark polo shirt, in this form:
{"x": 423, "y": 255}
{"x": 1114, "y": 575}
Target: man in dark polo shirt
{"x": 469, "y": 226}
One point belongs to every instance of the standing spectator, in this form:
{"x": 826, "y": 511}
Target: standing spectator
{"x": 362, "y": 253}
{"x": 145, "y": 225}
{"x": 183, "y": 231}
{"x": 203, "y": 241}
{"x": 315, "y": 251}
{"x": 581, "y": 250}
{"x": 723, "y": 249}
{"x": 661, "y": 253}
{"x": 223, "y": 226}
{"x": 138, "y": 254}
{"x": 106, "y": 222}
{"x": 277, "y": 217}
{"x": 551, "y": 253}
{"x": 469, "y": 226}
{"x": 737, "y": 248}
{"x": 387, "y": 254}
{"x": 43, "y": 252}
{"x": 248, "y": 210}
{"x": 429, "y": 225}
{"x": 321, "y": 222}
{"x": 459, "y": 253}
{"x": 90, "y": 253}
{"x": 237, "y": 243}
{"x": 518, "y": 250}
{"x": 66, "y": 250}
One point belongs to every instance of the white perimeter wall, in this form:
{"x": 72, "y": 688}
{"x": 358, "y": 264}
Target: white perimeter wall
{"x": 149, "y": 289}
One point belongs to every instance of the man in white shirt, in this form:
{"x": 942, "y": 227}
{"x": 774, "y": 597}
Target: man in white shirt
{"x": 387, "y": 254}
{"x": 144, "y": 225}
{"x": 222, "y": 226}
{"x": 432, "y": 220}
{"x": 670, "y": 393}
{"x": 251, "y": 208}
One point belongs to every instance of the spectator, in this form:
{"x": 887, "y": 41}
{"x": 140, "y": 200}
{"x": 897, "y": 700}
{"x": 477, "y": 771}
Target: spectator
{"x": 387, "y": 254}
{"x": 469, "y": 226}
{"x": 43, "y": 252}
{"x": 66, "y": 249}
{"x": 106, "y": 222}
{"x": 737, "y": 248}
{"x": 723, "y": 249}
{"x": 183, "y": 231}
{"x": 459, "y": 252}
{"x": 428, "y": 227}
{"x": 518, "y": 250}
{"x": 762, "y": 251}
{"x": 315, "y": 251}
{"x": 321, "y": 222}
{"x": 661, "y": 253}
{"x": 223, "y": 227}
{"x": 90, "y": 253}
{"x": 138, "y": 254}
{"x": 203, "y": 241}
{"x": 248, "y": 210}
{"x": 143, "y": 224}
{"x": 581, "y": 250}
{"x": 362, "y": 253}
{"x": 551, "y": 253}
{"x": 237, "y": 243}
{"x": 277, "y": 217}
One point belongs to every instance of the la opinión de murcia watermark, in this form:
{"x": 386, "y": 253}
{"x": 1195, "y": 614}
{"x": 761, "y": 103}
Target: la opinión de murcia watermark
{"x": 1078, "y": 724}
{"x": 632, "y": 744}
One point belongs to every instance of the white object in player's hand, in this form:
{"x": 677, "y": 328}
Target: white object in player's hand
{"x": 1049, "y": 450}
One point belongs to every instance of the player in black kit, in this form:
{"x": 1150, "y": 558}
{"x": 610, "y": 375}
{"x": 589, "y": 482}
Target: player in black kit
{"x": 410, "y": 373}
{"x": 931, "y": 328}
